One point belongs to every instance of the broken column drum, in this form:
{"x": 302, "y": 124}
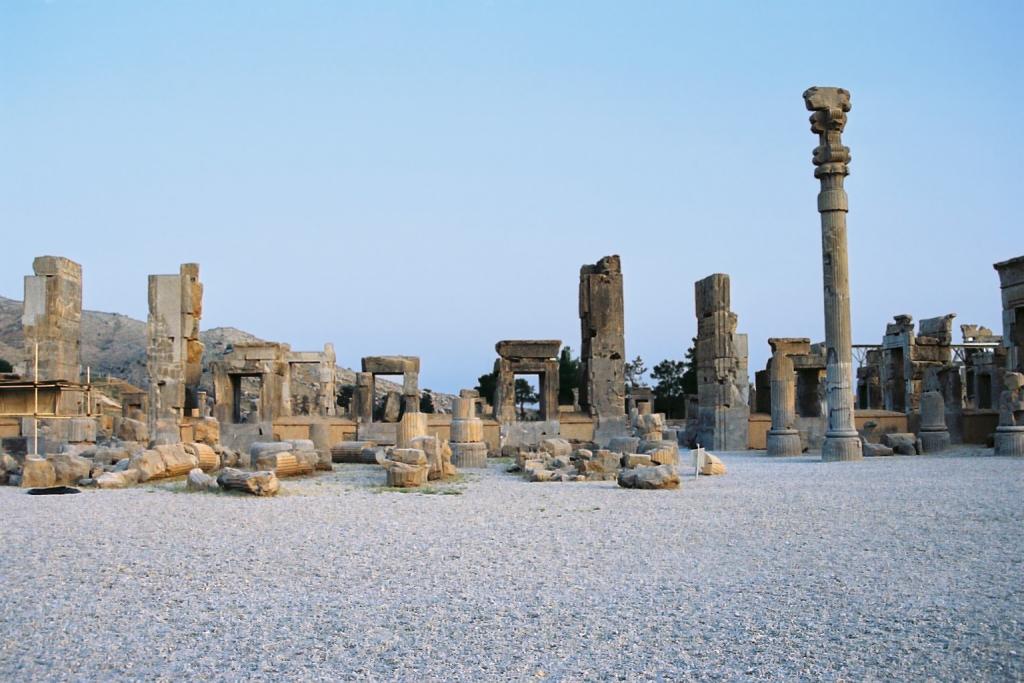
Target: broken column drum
{"x": 467, "y": 442}
{"x": 828, "y": 118}
{"x": 783, "y": 437}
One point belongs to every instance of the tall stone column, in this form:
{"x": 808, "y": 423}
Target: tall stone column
{"x": 784, "y": 438}
{"x": 829, "y": 107}
{"x": 602, "y": 387}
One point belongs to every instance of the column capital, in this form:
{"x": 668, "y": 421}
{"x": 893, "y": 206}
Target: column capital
{"x": 828, "y": 119}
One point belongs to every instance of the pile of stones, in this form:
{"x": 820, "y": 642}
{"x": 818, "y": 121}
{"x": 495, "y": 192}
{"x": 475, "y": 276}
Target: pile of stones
{"x": 428, "y": 458}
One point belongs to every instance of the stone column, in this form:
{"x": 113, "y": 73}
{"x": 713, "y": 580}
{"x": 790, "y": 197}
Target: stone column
{"x": 467, "y": 442}
{"x": 829, "y": 107}
{"x": 1009, "y": 436}
{"x": 934, "y": 434}
{"x": 783, "y": 437}
{"x": 362, "y": 397}
{"x": 602, "y": 391}
{"x": 52, "y": 317}
{"x": 327, "y": 379}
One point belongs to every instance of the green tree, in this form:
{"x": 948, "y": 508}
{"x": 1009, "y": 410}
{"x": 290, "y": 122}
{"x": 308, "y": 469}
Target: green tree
{"x": 5, "y": 365}
{"x": 669, "y": 389}
{"x": 345, "y": 395}
{"x": 524, "y": 394}
{"x": 635, "y": 371}
{"x": 486, "y": 385}
{"x": 568, "y": 376}
{"x": 426, "y": 401}
{"x": 690, "y": 376}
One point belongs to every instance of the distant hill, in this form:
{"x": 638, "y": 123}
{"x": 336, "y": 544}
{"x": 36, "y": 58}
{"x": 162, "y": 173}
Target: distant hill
{"x": 115, "y": 345}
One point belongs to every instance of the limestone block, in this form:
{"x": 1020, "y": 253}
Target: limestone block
{"x": 200, "y": 481}
{"x": 631, "y": 460}
{"x": 320, "y": 435}
{"x": 37, "y": 473}
{"x": 463, "y": 408}
{"x": 256, "y": 483}
{"x": 103, "y": 455}
{"x": 711, "y": 465}
{"x": 555, "y": 447}
{"x": 205, "y": 456}
{"x": 392, "y": 406}
{"x": 401, "y": 475}
{"x": 206, "y": 430}
{"x": 177, "y": 460}
{"x": 82, "y": 429}
{"x": 663, "y": 454}
{"x": 469, "y": 455}
{"x": 624, "y": 444}
{"x": 601, "y": 462}
{"x": 874, "y": 450}
{"x": 657, "y": 477}
{"x": 540, "y": 475}
{"x": 902, "y": 443}
{"x": 149, "y": 465}
{"x": 408, "y": 456}
{"x": 118, "y": 480}
{"x": 439, "y": 456}
{"x": 68, "y": 468}
{"x": 127, "y": 429}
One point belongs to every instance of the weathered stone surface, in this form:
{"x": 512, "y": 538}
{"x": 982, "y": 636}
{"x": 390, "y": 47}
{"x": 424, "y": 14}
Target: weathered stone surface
{"x": 467, "y": 431}
{"x": 662, "y": 453}
{"x": 206, "y": 458}
{"x": 659, "y": 477}
{"x": 874, "y": 450}
{"x": 624, "y": 444}
{"x": 411, "y": 427}
{"x": 602, "y": 331}
{"x": 439, "y": 456}
{"x": 600, "y": 462}
{"x": 177, "y": 461}
{"x": 68, "y": 468}
{"x": 267, "y": 447}
{"x": 469, "y": 455}
{"x": 287, "y": 464}
{"x": 828, "y": 118}
{"x": 127, "y": 429}
{"x": 118, "y": 480}
{"x": 353, "y": 451}
{"x": 711, "y": 465}
{"x": 408, "y": 456}
{"x": 1009, "y": 436}
{"x": 256, "y": 483}
{"x": 631, "y": 460}
{"x": 149, "y": 465}
{"x": 392, "y": 406}
{"x": 556, "y": 447}
{"x": 320, "y": 435}
{"x": 52, "y": 317}
{"x": 200, "y": 481}
{"x": 901, "y": 443}
{"x": 206, "y": 430}
{"x": 784, "y": 439}
{"x": 37, "y": 473}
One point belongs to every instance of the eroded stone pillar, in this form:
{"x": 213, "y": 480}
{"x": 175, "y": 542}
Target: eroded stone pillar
{"x": 783, "y": 437}
{"x": 467, "y": 442}
{"x": 52, "y": 318}
{"x": 1009, "y": 436}
{"x": 602, "y": 392}
{"x": 723, "y": 412}
{"x": 174, "y": 353}
{"x": 327, "y": 379}
{"x": 362, "y": 397}
{"x": 828, "y": 118}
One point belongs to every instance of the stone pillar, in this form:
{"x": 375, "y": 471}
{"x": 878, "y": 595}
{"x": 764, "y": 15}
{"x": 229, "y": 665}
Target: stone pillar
{"x": 1011, "y": 285}
{"x": 362, "y": 397}
{"x": 723, "y": 414}
{"x": 505, "y": 392}
{"x": 602, "y": 392}
{"x": 829, "y": 107}
{"x": 783, "y": 437}
{"x": 327, "y": 378}
{"x": 52, "y": 318}
{"x": 467, "y": 442}
{"x": 174, "y": 353}
{"x": 411, "y": 426}
{"x": 934, "y": 434}
{"x": 1009, "y": 436}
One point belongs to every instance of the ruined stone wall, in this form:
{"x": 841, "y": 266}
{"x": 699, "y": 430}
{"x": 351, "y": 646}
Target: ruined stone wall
{"x": 722, "y": 381}
{"x": 52, "y": 318}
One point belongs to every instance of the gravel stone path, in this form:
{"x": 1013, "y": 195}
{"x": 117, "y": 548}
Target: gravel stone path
{"x": 904, "y": 568}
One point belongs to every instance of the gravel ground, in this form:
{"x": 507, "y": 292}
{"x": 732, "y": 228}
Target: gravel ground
{"x": 902, "y": 568}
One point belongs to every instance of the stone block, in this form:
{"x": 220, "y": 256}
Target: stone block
{"x": 69, "y": 468}
{"x": 37, "y": 473}
{"x": 658, "y": 477}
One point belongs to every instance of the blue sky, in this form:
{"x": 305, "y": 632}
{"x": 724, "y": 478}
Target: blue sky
{"x": 427, "y": 177}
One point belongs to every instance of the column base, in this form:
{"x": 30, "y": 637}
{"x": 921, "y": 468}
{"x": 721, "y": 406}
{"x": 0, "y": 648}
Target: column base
{"x": 841, "y": 446}
{"x": 934, "y": 442}
{"x": 784, "y": 442}
{"x": 1009, "y": 441}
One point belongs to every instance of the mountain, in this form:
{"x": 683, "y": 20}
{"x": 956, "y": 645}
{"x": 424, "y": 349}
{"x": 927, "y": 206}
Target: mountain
{"x": 115, "y": 345}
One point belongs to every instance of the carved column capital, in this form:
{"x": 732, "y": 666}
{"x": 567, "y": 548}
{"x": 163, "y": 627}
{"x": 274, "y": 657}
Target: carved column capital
{"x": 828, "y": 119}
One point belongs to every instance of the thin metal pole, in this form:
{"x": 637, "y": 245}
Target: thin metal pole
{"x": 35, "y": 409}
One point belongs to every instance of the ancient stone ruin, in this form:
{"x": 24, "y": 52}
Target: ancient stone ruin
{"x": 722, "y": 381}
{"x": 602, "y": 392}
